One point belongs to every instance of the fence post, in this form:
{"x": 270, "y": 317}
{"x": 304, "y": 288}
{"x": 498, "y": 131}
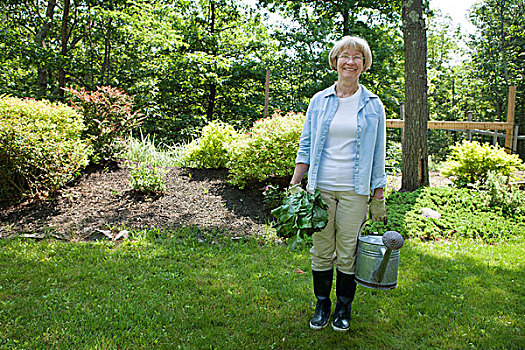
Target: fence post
{"x": 510, "y": 118}
{"x": 469, "y": 132}
{"x": 267, "y": 93}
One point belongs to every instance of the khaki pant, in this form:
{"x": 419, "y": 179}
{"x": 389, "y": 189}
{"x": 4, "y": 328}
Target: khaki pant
{"x": 346, "y": 212}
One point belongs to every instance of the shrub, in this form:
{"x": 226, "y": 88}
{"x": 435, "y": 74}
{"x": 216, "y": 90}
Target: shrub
{"x": 500, "y": 195}
{"x": 146, "y": 178}
{"x": 109, "y": 116}
{"x": 210, "y": 149}
{"x": 470, "y": 162}
{"x": 464, "y": 214}
{"x": 40, "y": 146}
{"x": 268, "y": 150}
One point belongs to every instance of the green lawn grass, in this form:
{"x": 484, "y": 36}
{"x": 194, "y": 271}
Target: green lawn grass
{"x": 179, "y": 291}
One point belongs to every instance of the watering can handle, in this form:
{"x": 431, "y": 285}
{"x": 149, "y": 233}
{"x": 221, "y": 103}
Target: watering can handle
{"x": 362, "y": 227}
{"x": 365, "y": 222}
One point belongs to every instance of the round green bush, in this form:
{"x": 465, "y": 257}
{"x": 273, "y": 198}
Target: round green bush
{"x": 40, "y": 146}
{"x": 267, "y": 150}
{"x": 470, "y": 162}
{"x": 210, "y": 149}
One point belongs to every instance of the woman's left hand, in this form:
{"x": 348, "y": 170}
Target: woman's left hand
{"x": 377, "y": 209}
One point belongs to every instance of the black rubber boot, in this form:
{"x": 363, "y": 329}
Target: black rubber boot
{"x": 345, "y": 291}
{"x": 322, "y": 287}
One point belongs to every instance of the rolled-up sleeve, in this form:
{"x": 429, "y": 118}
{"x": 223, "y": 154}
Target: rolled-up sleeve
{"x": 378, "y": 178}
{"x": 305, "y": 142}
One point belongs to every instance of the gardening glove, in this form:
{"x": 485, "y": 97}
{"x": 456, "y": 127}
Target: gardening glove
{"x": 377, "y": 210}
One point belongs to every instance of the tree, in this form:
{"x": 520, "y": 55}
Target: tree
{"x": 343, "y": 15}
{"x": 312, "y": 27}
{"x": 50, "y": 39}
{"x": 185, "y": 62}
{"x": 219, "y": 73}
{"x": 448, "y": 97}
{"x": 415, "y": 153}
{"x": 498, "y": 60}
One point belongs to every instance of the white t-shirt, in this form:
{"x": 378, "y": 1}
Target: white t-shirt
{"x": 336, "y": 169}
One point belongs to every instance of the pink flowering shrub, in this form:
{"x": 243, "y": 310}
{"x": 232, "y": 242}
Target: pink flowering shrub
{"x": 267, "y": 150}
{"x": 40, "y": 147}
{"x": 109, "y": 117}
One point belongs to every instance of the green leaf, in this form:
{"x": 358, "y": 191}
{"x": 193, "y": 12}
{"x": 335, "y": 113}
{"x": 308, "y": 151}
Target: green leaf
{"x": 301, "y": 214}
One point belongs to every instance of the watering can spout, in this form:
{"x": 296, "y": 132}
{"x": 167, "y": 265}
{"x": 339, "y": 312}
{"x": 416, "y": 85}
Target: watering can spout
{"x": 392, "y": 240}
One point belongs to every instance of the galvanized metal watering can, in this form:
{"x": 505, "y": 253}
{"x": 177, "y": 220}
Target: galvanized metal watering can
{"x": 377, "y": 260}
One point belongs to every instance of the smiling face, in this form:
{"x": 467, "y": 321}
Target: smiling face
{"x": 350, "y": 64}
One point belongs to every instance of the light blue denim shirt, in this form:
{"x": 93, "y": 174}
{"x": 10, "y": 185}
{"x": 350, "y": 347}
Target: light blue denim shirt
{"x": 369, "y": 171}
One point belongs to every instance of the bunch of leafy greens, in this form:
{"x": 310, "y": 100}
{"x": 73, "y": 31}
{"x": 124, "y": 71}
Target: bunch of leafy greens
{"x": 300, "y": 215}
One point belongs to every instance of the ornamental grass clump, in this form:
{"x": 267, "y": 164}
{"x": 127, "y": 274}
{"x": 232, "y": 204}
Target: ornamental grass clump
{"x": 300, "y": 215}
{"x": 267, "y": 150}
{"x": 470, "y": 162}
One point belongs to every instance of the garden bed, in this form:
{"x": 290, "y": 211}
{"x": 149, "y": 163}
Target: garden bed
{"x": 102, "y": 199}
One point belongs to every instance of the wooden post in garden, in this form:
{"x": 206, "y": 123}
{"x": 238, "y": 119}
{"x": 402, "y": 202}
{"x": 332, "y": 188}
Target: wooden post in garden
{"x": 267, "y": 93}
{"x": 510, "y": 119}
{"x": 469, "y": 132}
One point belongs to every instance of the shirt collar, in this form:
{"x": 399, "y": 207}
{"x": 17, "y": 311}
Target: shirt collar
{"x": 365, "y": 93}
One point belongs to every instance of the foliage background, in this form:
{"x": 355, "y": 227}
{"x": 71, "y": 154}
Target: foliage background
{"x": 188, "y": 62}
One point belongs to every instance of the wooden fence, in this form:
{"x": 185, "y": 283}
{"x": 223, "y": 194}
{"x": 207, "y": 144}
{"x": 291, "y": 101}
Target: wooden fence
{"x": 511, "y": 130}
{"x": 511, "y": 135}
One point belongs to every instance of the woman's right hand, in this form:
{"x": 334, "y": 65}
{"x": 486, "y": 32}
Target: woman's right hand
{"x": 294, "y": 189}
{"x": 298, "y": 173}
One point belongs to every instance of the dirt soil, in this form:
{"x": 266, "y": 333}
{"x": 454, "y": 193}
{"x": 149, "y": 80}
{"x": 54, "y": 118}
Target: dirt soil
{"x": 101, "y": 202}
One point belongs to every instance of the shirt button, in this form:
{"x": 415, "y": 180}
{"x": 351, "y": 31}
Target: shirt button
{"x": 357, "y": 156}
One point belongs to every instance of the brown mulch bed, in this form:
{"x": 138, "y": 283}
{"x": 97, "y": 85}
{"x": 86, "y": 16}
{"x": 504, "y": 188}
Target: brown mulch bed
{"x": 101, "y": 200}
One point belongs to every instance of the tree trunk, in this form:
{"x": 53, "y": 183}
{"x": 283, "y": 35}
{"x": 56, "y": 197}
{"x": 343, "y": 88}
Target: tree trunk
{"x": 40, "y": 40}
{"x": 346, "y": 19}
{"x": 105, "y": 74}
{"x": 415, "y": 151}
{"x": 64, "y": 49}
{"x": 345, "y": 10}
{"x": 213, "y": 86}
{"x": 211, "y": 102}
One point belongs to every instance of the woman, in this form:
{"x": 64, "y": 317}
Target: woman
{"x": 342, "y": 147}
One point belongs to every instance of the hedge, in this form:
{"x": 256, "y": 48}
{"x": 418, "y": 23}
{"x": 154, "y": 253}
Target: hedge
{"x": 40, "y": 147}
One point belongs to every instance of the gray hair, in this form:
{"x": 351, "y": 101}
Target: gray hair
{"x": 353, "y": 43}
